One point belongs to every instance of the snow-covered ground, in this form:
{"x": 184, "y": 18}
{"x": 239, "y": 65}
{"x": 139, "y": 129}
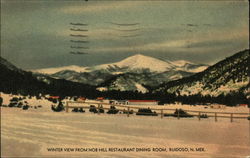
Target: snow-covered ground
{"x": 31, "y": 132}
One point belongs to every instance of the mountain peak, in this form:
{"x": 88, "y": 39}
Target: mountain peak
{"x": 139, "y": 56}
{"x": 140, "y": 61}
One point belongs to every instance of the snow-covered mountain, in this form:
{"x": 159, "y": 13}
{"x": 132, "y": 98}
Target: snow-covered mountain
{"x": 139, "y": 62}
{"x": 187, "y": 66}
{"x": 134, "y": 62}
{"x": 128, "y": 74}
{"x": 227, "y": 76}
{"x": 53, "y": 70}
{"x": 17, "y": 81}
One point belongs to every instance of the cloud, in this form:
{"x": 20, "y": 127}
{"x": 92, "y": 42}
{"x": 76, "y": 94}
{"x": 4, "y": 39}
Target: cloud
{"x": 198, "y": 42}
{"x": 98, "y": 7}
{"x": 144, "y": 47}
{"x": 100, "y": 34}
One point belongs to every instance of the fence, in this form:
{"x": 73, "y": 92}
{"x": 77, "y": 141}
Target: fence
{"x": 129, "y": 110}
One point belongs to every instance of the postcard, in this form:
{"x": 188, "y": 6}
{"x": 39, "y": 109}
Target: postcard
{"x": 144, "y": 78}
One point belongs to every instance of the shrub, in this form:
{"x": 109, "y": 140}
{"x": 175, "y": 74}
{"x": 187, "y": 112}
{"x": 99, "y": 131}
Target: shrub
{"x": 59, "y": 107}
{"x": 181, "y": 112}
{"x": 168, "y": 115}
{"x": 93, "y": 109}
{"x": 146, "y": 112}
{"x": 12, "y": 104}
{"x": 126, "y": 111}
{"x": 14, "y": 99}
{"x": 112, "y": 110}
{"x": 81, "y": 110}
{"x": 25, "y": 107}
{"x": 20, "y": 104}
{"x": 75, "y": 110}
{"x": 78, "y": 110}
{"x": 101, "y": 110}
{"x": 203, "y": 116}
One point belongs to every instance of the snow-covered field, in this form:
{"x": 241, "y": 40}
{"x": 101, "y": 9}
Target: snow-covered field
{"x": 32, "y": 132}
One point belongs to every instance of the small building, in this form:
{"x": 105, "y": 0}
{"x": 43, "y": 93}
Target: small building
{"x": 82, "y": 99}
{"x": 119, "y": 102}
{"x": 54, "y": 97}
{"x": 100, "y": 98}
{"x": 242, "y": 105}
{"x": 142, "y": 102}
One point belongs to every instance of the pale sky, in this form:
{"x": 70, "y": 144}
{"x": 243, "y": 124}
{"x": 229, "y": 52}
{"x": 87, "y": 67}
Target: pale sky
{"x": 36, "y": 33}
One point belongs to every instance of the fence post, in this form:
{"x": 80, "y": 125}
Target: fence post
{"x": 231, "y": 117}
{"x": 178, "y": 114}
{"x": 67, "y": 106}
{"x": 128, "y": 112}
{"x": 215, "y": 117}
{"x": 161, "y": 113}
{"x": 199, "y": 116}
{"x": 98, "y": 109}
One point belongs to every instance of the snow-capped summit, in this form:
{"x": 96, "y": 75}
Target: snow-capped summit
{"x": 135, "y": 62}
{"x": 139, "y": 61}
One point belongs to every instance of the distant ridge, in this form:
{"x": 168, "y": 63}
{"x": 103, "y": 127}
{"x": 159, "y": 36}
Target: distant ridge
{"x": 137, "y": 61}
{"x": 134, "y": 73}
{"x": 17, "y": 81}
{"x": 227, "y": 76}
